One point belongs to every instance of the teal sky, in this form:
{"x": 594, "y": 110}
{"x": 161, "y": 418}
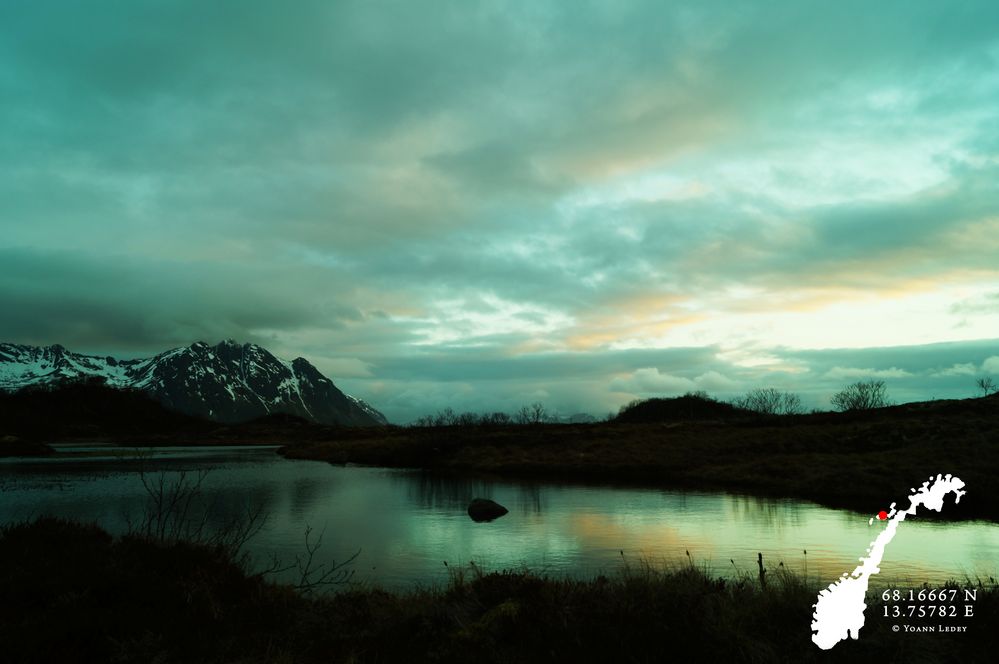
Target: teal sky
{"x": 482, "y": 204}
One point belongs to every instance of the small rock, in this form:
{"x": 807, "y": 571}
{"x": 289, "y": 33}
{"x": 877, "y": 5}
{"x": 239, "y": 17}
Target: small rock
{"x": 482, "y": 509}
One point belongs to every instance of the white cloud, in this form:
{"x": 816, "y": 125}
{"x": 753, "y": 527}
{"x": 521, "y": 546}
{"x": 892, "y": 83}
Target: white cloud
{"x": 965, "y": 369}
{"x": 854, "y": 372}
{"x": 712, "y": 380}
{"x": 344, "y": 367}
{"x": 697, "y": 201}
{"x": 650, "y": 380}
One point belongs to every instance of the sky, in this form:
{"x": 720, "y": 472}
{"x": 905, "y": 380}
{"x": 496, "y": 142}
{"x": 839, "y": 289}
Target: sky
{"x": 478, "y": 205}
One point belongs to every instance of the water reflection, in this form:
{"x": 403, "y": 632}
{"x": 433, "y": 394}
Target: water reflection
{"x": 305, "y": 492}
{"x": 774, "y": 514}
{"x": 437, "y": 491}
{"x": 407, "y": 523}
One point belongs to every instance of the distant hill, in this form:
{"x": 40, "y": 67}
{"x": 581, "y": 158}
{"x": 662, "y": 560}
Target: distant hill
{"x": 229, "y": 382}
{"x": 679, "y": 409}
{"x": 88, "y": 409}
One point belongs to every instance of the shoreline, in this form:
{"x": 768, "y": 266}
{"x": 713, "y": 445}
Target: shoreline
{"x": 81, "y": 595}
{"x": 859, "y": 462}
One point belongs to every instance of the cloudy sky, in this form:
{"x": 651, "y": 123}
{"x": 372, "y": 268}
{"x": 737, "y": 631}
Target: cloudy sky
{"x": 482, "y": 204}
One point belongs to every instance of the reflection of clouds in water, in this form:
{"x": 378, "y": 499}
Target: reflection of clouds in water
{"x": 540, "y": 544}
{"x": 606, "y": 531}
{"x": 921, "y": 547}
{"x": 407, "y": 523}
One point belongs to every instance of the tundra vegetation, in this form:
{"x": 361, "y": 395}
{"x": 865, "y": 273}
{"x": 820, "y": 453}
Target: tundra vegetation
{"x": 862, "y": 395}
{"x": 851, "y": 459}
{"x": 770, "y": 401}
{"x": 74, "y": 593}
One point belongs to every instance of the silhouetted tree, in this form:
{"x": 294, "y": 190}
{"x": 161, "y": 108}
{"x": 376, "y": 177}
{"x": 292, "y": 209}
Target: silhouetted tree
{"x": 448, "y": 418}
{"x": 987, "y": 385}
{"x": 862, "y": 395}
{"x": 770, "y": 401}
{"x": 468, "y": 419}
{"x": 445, "y": 418}
{"x": 536, "y": 413}
{"x": 496, "y": 419}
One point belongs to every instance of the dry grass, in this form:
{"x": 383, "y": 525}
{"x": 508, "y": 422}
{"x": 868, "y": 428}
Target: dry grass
{"x": 74, "y": 594}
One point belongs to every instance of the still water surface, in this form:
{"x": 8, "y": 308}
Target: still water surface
{"x": 407, "y": 523}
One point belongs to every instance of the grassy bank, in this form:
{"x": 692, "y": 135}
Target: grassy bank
{"x": 72, "y": 593}
{"x": 860, "y": 461}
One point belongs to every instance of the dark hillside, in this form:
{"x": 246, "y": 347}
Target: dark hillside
{"x": 688, "y": 408}
{"x": 90, "y": 410}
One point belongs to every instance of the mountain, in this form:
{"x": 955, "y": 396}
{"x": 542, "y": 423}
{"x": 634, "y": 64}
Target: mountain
{"x": 229, "y": 382}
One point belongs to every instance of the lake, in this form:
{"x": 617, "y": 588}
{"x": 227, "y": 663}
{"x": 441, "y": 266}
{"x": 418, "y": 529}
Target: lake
{"x": 407, "y": 523}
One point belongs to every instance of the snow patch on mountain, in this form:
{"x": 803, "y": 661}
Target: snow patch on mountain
{"x": 368, "y": 409}
{"x": 228, "y": 382}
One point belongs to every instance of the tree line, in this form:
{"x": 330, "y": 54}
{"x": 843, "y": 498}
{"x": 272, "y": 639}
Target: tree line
{"x": 861, "y": 395}
{"x": 534, "y": 413}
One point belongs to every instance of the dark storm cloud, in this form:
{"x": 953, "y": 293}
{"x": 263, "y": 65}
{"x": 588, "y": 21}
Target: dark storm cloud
{"x": 114, "y": 301}
{"x": 477, "y": 364}
{"x": 479, "y": 201}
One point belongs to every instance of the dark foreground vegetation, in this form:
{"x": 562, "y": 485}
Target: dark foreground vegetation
{"x": 72, "y": 593}
{"x": 860, "y": 460}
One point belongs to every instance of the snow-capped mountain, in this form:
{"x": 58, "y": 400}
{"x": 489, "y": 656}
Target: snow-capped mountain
{"x": 229, "y": 382}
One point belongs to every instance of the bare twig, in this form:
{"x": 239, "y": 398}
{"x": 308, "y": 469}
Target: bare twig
{"x": 175, "y": 511}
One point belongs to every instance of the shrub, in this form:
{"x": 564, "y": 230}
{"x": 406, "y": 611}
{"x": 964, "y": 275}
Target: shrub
{"x": 987, "y": 385}
{"x": 496, "y": 419}
{"x": 862, "y": 395}
{"x": 536, "y": 413}
{"x": 448, "y": 418}
{"x": 770, "y": 401}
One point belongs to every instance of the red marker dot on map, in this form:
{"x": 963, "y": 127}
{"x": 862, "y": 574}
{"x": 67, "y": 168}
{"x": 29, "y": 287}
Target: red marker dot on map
{"x": 882, "y": 515}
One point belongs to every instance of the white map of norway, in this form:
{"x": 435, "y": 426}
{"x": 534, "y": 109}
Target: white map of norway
{"x": 839, "y": 612}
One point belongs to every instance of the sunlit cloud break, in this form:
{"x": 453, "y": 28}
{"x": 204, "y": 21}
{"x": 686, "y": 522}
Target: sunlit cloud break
{"x": 478, "y": 206}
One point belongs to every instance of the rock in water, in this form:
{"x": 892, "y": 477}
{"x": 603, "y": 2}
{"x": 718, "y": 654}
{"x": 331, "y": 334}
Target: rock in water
{"x": 482, "y": 509}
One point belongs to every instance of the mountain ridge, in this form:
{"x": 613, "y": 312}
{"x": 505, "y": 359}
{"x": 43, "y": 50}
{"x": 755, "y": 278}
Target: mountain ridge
{"x": 229, "y": 382}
